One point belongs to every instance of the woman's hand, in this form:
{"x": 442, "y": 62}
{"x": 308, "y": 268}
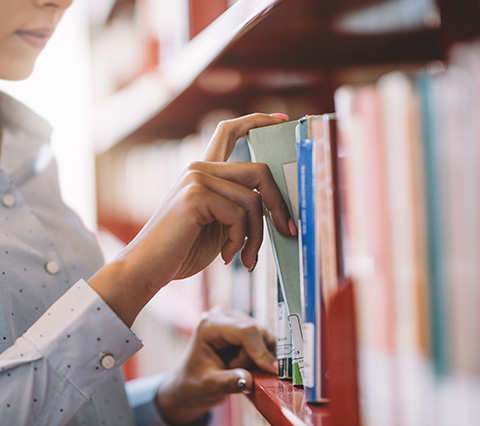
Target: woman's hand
{"x": 225, "y": 344}
{"x": 216, "y": 207}
{"x": 228, "y": 132}
{"x": 254, "y": 188}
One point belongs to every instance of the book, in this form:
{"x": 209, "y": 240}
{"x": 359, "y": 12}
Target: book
{"x": 310, "y": 265}
{"x": 308, "y": 262}
{"x": 425, "y": 86}
{"x": 460, "y": 133}
{"x": 327, "y": 195}
{"x": 295, "y": 327}
{"x": 275, "y": 146}
{"x": 284, "y": 339}
{"x": 366, "y": 238}
{"x": 203, "y": 12}
{"x": 309, "y": 281}
{"x": 406, "y": 213}
{"x": 328, "y": 243}
{"x": 322, "y": 254}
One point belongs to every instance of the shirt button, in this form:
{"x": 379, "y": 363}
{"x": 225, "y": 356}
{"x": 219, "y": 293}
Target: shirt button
{"x": 52, "y": 267}
{"x": 108, "y": 362}
{"x": 9, "y": 200}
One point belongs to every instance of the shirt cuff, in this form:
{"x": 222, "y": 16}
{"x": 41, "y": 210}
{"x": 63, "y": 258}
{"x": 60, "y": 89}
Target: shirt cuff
{"x": 141, "y": 395}
{"x": 89, "y": 339}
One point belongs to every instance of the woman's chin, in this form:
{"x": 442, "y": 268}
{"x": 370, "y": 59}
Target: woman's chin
{"x": 16, "y": 71}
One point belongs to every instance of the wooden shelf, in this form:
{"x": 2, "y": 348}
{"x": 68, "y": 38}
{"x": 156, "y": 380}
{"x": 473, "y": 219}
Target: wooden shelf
{"x": 180, "y": 74}
{"x": 282, "y": 404}
{"x": 281, "y": 47}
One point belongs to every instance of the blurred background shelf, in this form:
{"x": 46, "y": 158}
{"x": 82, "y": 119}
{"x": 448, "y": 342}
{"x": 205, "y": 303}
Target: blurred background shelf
{"x": 240, "y": 57}
{"x": 286, "y": 48}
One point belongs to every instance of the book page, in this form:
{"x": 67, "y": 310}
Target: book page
{"x": 291, "y": 179}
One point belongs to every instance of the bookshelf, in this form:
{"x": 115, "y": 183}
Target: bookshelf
{"x": 284, "y": 405}
{"x": 268, "y": 47}
{"x": 299, "y": 51}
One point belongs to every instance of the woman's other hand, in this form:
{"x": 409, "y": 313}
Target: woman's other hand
{"x": 225, "y": 346}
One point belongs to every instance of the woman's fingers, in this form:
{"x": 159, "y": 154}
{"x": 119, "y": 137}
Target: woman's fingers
{"x": 255, "y": 176}
{"x": 228, "y": 132}
{"x": 232, "y": 212}
{"x": 223, "y": 329}
{"x": 207, "y": 194}
{"x": 250, "y": 204}
{"x": 204, "y": 379}
{"x": 257, "y": 349}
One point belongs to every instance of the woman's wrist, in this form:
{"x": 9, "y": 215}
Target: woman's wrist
{"x": 121, "y": 291}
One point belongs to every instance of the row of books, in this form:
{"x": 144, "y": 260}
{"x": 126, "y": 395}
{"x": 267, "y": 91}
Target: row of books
{"x": 121, "y": 171}
{"x": 302, "y": 158}
{"x": 385, "y": 191}
{"x": 410, "y": 151}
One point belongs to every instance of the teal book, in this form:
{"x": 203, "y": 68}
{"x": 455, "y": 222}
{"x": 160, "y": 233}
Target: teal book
{"x": 275, "y": 146}
{"x": 425, "y": 84}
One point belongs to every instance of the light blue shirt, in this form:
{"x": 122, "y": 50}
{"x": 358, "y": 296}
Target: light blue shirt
{"x": 61, "y": 346}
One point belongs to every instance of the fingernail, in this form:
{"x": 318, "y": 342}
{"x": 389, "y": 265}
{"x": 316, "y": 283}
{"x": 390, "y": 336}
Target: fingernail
{"x": 292, "y": 228}
{"x": 254, "y": 264}
{"x": 280, "y": 115}
{"x": 229, "y": 261}
{"x": 275, "y": 365}
{"x": 242, "y": 385}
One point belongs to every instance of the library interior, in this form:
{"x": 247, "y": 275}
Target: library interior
{"x": 374, "y": 302}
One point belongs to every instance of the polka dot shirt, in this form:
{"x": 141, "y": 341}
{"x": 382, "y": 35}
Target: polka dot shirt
{"x": 61, "y": 346}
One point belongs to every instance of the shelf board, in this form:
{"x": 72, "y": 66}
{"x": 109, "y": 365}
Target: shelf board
{"x": 279, "y": 47}
{"x": 128, "y": 109}
{"x": 178, "y": 76}
{"x": 282, "y": 404}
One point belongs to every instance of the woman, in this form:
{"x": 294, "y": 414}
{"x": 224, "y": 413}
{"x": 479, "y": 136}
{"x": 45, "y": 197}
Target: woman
{"x": 65, "y": 317}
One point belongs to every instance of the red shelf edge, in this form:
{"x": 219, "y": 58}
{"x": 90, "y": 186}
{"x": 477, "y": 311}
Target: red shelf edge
{"x": 282, "y": 404}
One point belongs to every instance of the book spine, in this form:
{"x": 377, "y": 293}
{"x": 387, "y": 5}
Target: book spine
{"x": 425, "y": 86}
{"x": 329, "y": 266}
{"x": 309, "y": 278}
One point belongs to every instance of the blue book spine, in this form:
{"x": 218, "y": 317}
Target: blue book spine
{"x": 310, "y": 296}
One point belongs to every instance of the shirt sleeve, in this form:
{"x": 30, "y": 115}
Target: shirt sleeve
{"x": 62, "y": 359}
{"x": 141, "y": 396}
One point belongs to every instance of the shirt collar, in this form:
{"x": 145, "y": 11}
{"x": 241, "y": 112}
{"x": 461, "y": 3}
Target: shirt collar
{"x": 17, "y": 117}
{"x": 23, "y": 133}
